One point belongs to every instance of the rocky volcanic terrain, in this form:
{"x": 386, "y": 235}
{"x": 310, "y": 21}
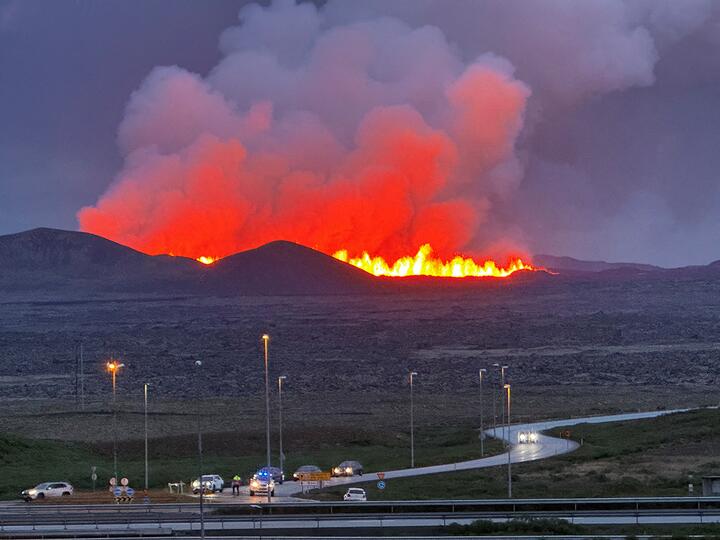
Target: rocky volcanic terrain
{"x": 575, "y": 343}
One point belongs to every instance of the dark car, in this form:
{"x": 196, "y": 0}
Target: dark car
{"x": 276, "y": 474}
{"x": 306, "y": 469}
{"x": 348, "y": 468}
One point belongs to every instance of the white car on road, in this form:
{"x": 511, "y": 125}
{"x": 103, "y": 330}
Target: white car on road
{"x": 211, "y": 483}
{"x": 48, "y": 489}
{"x": 355, "y": 494}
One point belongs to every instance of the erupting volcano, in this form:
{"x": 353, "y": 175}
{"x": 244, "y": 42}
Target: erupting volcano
{"x": 368, "y": 141}
{"x": 423, "y": 264}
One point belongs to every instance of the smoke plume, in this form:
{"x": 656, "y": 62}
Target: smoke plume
{"x": 369, "y": 135}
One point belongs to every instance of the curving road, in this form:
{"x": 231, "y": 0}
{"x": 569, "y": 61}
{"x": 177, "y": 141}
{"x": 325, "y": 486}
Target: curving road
{"x": 545, "y": 447}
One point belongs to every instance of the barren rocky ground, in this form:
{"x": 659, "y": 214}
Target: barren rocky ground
{"x": 573, "y": 346}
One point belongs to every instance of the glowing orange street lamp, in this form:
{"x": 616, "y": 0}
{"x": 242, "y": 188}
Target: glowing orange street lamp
{"x": 112, "y": 367}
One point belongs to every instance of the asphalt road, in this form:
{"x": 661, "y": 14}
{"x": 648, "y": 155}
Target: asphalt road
{"x": 545, "y": 447}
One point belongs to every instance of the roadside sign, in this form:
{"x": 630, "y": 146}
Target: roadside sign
{"x": 381, "y": 485}
{"x": 129, "y": 491}
{"x": 113, "y": 481}
{"x": 124, "y": 481}
{"x": 315, "y": 476}
{"x": 381, "y": 475}
{"x": 117, "y": 491}
{"x": 93, "y": 477}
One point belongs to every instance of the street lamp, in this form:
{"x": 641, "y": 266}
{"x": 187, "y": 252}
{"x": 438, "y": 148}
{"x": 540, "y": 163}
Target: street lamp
{"x": 198, "y": 365}
{"x": 509, "y": 447}
{"x": 145, "y": 395}
{"x": 112, "y": 367}
{"x": 482, "y": 428}
{"x": 265, "y": 339}
{"x": 280, "y": 387}
{"x": 412, "y": 421}
{"x": 495, "y": 399}
{"x": 502, "y": 385}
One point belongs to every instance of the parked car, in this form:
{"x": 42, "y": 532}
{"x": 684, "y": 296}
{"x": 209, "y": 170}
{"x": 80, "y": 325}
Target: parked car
{"x": 355, "y": 494}
{"x": 48, "y": 489}
{"x": 211, "y": 483}
{"x": 275, "y": 472}
{"x": 348, "y": 468}
{"x": 306, "y": 469}
{"x": 262, "y": 483}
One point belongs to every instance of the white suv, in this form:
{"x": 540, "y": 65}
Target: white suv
{"x": 211, "y": 483}
{"x": 48, "y": 489}
{"x": 355, "y": 494}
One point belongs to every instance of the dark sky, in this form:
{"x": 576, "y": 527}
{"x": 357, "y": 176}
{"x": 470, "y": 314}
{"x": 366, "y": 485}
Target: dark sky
{"x": 620, "y": 149}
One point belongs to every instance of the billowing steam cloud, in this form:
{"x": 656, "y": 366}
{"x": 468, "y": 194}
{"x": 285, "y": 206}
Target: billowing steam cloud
{"x": 370, "y": 135}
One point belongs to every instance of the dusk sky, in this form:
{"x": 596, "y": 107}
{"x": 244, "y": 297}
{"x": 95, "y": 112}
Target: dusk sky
{"x": 589, "y": 129}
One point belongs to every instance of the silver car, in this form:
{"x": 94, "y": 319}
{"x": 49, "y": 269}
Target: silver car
{"x": 48, "y": 489}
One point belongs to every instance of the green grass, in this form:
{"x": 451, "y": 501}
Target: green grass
{"x": 653, "y": 457}
{"x": 25, "y": 462}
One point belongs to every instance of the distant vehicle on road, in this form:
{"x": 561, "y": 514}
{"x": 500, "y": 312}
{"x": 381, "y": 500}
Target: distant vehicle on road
{"x": 528, "y": 437}
{"x": 306, "y": 469}
{"x": 262, "y": 483}
{"x": 275, "y": 472}
{"x": 355, "y": 494}
{"x": 348, "y": 468}
{"x": 211, "y": 483}
{"x": 48, "y": 489}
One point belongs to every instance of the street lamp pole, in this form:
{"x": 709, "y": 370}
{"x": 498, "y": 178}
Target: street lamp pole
{"x": 198, "y": 365}
{"x": 145, "y": 392}
{"x": 280, "y": 418}
{"x": 495, "y": 399}
{"x": 113, "y": 366}
{"x": 509, "y": 448}
{"x": 482, "y": 427}
{"x": 412, "y": 421}
{"x": 265, "y": 339}
{"x": 502, "y": 386}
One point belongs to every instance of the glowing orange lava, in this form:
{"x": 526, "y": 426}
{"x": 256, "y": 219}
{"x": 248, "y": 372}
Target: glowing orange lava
{"x": 424, "y": 264}
{"x": 207, "y": 260}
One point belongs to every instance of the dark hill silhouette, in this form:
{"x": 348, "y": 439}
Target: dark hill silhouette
{"x": 283, "y": 267}
{"x": 51, "y": 259}
{"x": 569, "y": 264}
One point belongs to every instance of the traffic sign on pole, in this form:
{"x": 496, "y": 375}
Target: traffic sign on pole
{"x": 381, "y": 485}
{"x": 381, "y": 475}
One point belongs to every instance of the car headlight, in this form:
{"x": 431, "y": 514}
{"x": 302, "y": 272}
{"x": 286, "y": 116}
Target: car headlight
{"x": 348, "y": 470}
{"x": 32, "y": 492}
{"x": 336, "y": 470}
{"x": 254, "y": 483}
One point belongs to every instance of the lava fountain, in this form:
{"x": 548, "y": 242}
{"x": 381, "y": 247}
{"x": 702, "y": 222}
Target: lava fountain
{"x": 424, "y": 264}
